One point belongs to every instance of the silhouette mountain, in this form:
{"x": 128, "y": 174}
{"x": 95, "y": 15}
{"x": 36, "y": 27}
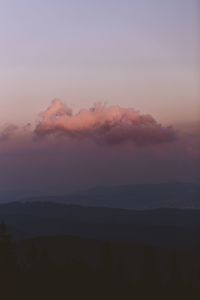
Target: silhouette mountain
{"x": 137, "y": 196}
{"x": 155, "y": 227}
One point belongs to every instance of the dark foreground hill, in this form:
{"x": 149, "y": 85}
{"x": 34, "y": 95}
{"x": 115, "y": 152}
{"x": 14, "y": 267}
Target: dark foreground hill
{"x": 162, "y": 227}
{"x": 71, "y": 252}
{"x": 67, "y": 267}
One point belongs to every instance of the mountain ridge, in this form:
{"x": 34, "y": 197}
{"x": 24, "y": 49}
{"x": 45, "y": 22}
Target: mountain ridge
{"x": 138, "y": 196}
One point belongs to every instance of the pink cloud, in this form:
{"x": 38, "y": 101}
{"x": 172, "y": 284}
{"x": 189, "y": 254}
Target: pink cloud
{"x": 102, "y": 124}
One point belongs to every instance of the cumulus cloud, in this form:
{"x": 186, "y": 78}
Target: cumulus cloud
{"x": 102, "y": 124}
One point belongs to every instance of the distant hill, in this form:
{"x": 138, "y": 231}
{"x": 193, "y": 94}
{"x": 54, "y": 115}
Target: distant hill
{"x": 155, "y": 214}
{"x": 15, "y": 195}
{"x": 144, "y": 196}
{"x": 138, "y": 196}
{"x": 161, "y": 227}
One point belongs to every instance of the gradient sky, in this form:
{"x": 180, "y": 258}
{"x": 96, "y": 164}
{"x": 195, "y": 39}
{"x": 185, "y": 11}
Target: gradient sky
{"x": 139, "y": 54}
{"x": 142, "y": 54}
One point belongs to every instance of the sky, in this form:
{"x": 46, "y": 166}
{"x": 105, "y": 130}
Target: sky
{"x": 125, "y": 78}
{"x": 143, "y": 54}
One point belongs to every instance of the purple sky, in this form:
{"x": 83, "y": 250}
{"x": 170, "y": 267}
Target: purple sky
{"x": 139, "y": 57}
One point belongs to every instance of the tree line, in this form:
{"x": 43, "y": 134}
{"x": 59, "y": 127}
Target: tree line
{"x": 35, "y": 275}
